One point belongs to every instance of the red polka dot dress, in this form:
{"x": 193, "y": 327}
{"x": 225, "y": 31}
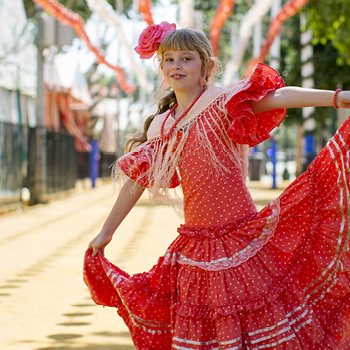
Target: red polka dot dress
{"x": 237, "y": 278}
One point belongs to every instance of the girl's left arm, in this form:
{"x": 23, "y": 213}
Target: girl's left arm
{"x": 297, "y": 97}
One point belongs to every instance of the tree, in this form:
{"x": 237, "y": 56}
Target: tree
{"x": 329, "y": 23}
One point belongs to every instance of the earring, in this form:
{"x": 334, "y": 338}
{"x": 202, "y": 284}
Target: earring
{"x": 202, "y": 82}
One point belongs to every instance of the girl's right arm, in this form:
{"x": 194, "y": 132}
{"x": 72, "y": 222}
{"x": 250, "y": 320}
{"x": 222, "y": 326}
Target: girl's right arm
{"x": 127, "y": 198}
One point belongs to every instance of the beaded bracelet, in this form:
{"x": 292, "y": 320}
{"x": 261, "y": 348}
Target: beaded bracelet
{"x": 335, "y": 104}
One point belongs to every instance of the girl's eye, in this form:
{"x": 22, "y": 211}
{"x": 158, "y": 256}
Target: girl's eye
{"x": 170, "y": 59}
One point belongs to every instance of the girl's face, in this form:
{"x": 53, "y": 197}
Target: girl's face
{"x": 182, "y": 70}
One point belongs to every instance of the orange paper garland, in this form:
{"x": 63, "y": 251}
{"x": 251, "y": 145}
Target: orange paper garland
{"x": 223, "y": 11}
{"x": 68, "y": 17}
{"x": 287, "y": 11}
{"x": 145, "y": 9}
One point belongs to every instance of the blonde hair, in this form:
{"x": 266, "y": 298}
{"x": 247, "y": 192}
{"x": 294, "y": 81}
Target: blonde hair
{"x": 180, "y": 40}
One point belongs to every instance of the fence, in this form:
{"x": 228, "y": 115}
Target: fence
{"x": 21, "y": 149}
{"x": 61, "y": 160}
{"x": 13, "y": 161}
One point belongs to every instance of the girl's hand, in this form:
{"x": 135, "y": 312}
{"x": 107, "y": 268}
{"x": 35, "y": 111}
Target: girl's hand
{"x": 99, "y": 242}
{"x": 343, "y": 99}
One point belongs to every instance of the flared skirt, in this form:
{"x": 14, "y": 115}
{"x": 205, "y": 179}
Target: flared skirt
{"x": 278, "y": 280}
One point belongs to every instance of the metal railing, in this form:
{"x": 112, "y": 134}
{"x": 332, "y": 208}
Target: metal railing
{"x": 20, "y": 149}
{"x": 13, "y": 161}
{"x": 61, "y": 162}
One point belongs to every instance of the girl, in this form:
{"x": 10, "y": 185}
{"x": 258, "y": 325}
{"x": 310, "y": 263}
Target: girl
{"x": 234, "y": 278}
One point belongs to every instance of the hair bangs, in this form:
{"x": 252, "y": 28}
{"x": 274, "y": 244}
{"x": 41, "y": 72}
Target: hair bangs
{"x": 179, "y": 40}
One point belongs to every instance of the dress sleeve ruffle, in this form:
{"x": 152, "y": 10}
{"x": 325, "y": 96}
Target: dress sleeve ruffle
{"x": 247, "y": 127}
{"x": 137, "y": 165}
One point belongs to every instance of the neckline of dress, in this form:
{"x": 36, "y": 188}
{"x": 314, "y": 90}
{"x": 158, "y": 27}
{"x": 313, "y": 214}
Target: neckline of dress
{"x": 180, "y": 118}
{"x": 208, "y": 98}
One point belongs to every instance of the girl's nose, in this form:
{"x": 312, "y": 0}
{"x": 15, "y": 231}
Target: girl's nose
{"x": 176, "y": 65}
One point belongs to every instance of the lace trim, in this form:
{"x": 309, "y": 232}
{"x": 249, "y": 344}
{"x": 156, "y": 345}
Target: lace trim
{"x": 280, "y": 332}
{"x": 239, "y": 257}
{"x": 140, "y": 323}
{"x": 209, "y": 342}
{"x": 210, "y": 232}
{"x": 296, "y": 318}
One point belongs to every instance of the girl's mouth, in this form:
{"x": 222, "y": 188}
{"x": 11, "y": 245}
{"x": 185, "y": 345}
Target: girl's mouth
{"x": 177, "y": 76}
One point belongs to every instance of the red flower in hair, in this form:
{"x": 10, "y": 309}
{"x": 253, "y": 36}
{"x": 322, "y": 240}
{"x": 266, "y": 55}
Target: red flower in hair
{"x": 151, "y": 37}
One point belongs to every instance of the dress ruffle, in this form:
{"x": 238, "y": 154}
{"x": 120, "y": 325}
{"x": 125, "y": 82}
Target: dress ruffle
{"x": 136, "y": 164}
{"x": 246, "y": 126}
{"x": 285, "y": 273}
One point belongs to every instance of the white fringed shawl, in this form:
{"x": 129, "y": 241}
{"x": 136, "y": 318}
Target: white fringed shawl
{"x": 155, "y": 163}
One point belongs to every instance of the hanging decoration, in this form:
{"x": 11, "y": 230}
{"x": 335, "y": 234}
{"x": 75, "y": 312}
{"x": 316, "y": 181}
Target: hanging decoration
{"x": 105, "y": 11}
{"x": 186, "y": 13}
{"x": 67, "y": 17}
{"x": 254, "y": 15}
{"x": 250, "y": 19}
{"x": 222, "y": 13}
{"x": 287, "y": 11}
{"x": 145, "y": 10}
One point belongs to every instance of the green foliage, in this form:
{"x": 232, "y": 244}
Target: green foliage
{"x": 329, "y": 75}
{"x": 329, "y": 23}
